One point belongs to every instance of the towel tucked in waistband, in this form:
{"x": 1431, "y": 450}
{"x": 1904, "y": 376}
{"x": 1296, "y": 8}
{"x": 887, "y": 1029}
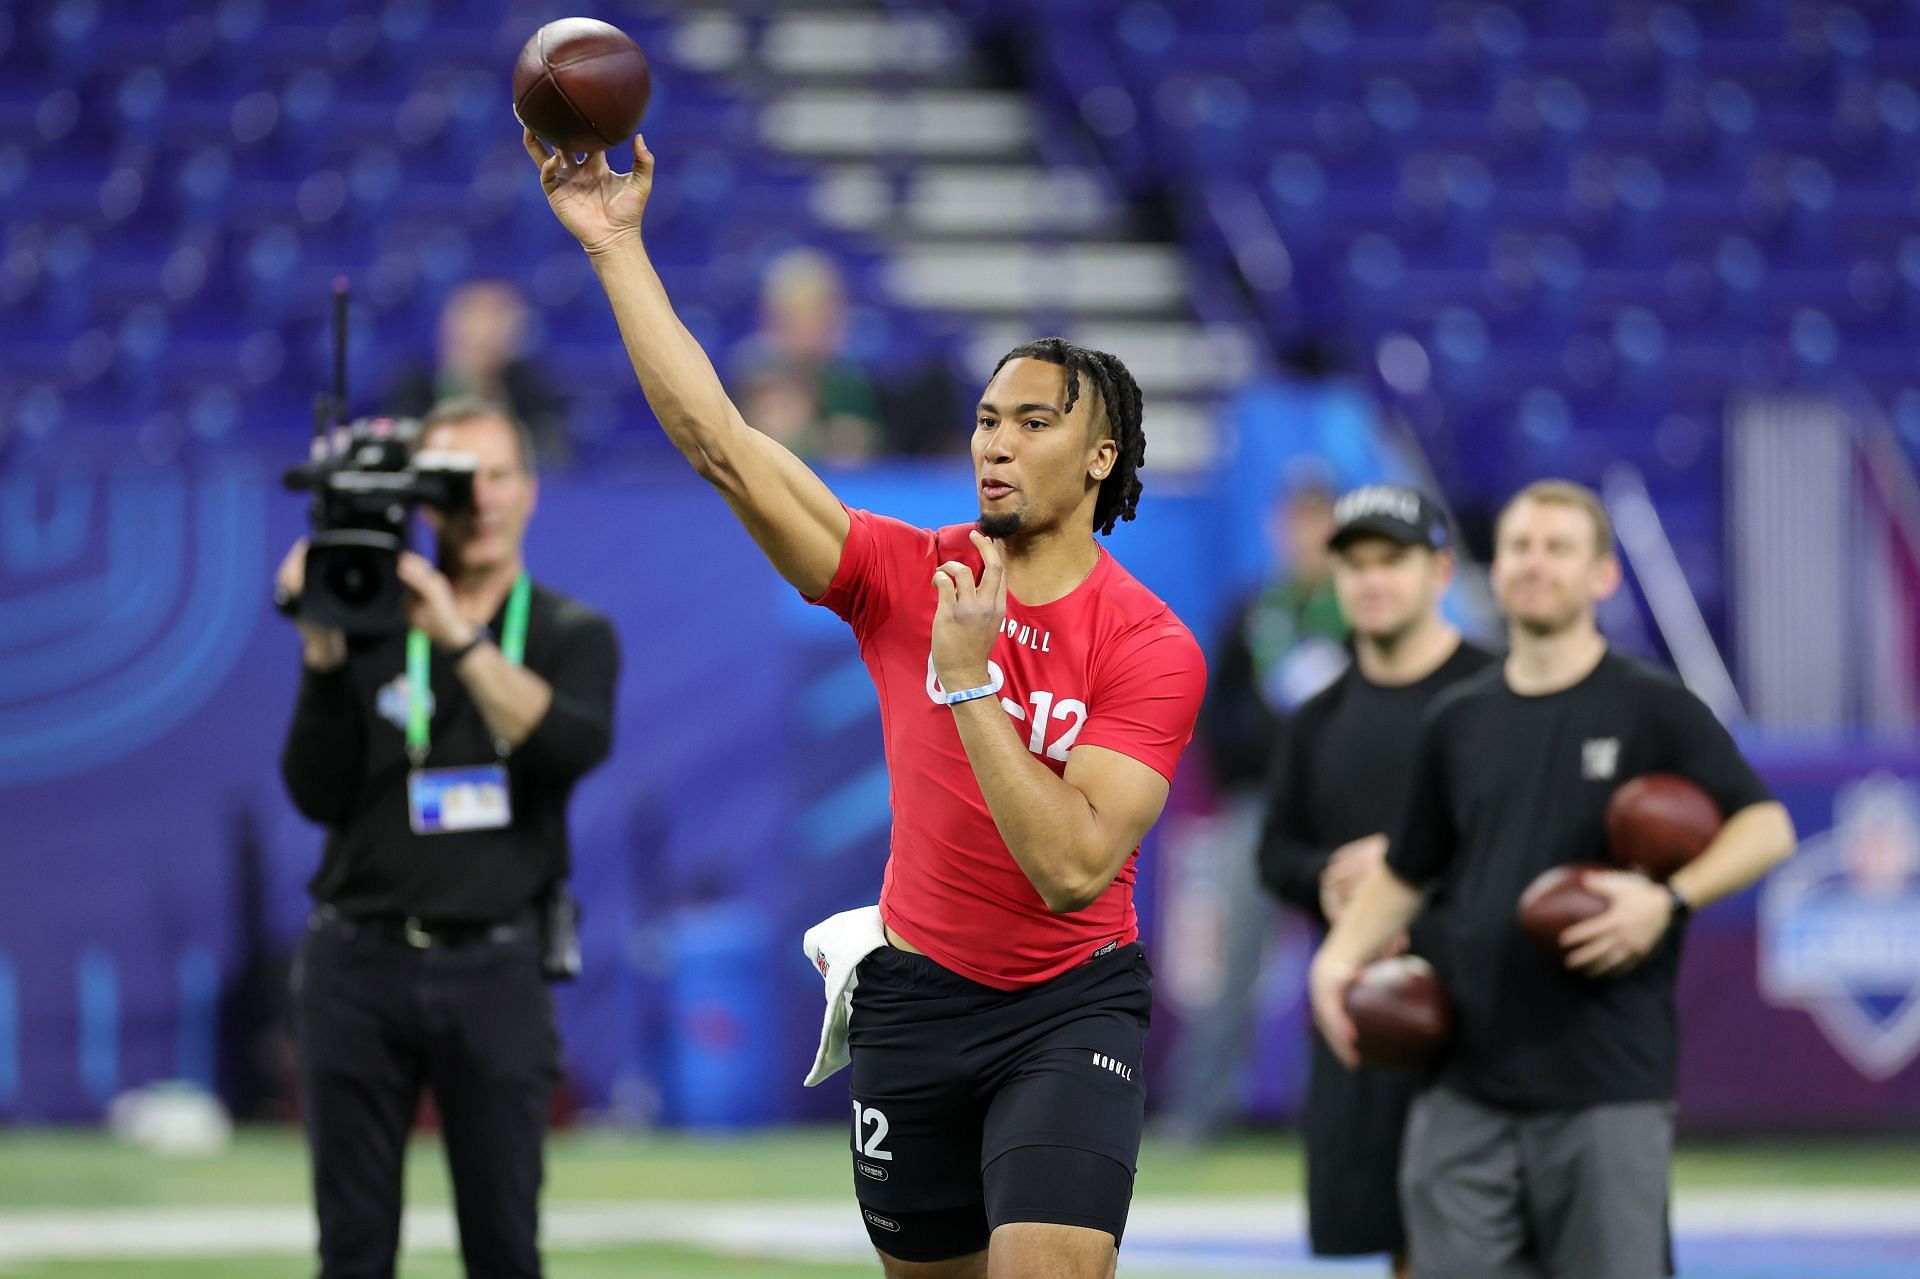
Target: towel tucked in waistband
{"x": 835, "y": 946}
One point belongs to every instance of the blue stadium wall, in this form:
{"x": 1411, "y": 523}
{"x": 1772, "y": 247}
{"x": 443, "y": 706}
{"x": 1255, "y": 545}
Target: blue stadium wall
{"x": 150, "y": 865}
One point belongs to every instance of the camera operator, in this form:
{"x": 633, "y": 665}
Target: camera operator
{"x": 440, "y": 907}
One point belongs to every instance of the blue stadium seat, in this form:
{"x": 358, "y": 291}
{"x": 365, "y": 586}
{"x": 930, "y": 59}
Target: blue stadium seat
{"x": 140, "y": 101}
{"x": 238, "y": 27}
{"x": 1460, "y": 346}
{"x": 1640, "y": 349}
{"x": 68, "y": 37}
{"x": 1297, "y": 190}
{"x": 310, "y": 115}
{"x": 270, "y": 269}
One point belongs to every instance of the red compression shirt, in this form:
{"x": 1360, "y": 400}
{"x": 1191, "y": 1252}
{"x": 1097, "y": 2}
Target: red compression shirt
{"x": 1106, "y": 665}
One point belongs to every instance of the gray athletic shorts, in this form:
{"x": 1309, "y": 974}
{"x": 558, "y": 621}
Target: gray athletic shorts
{"x": 1490, "y": 1193}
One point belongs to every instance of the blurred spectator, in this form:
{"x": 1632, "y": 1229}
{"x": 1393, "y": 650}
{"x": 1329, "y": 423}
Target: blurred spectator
{"x": 483, "y": 327}
{"x": 1340, "y": 774}
{"x": 792, "y": 379}
{"x": 1282, "y": 645}
{"x": 925, "y": 410}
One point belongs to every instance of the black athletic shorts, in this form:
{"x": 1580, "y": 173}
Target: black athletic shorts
{"x": 974, "y": 1107}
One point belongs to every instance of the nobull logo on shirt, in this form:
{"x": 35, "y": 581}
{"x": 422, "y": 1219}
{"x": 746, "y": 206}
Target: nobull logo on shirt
{"x": 1840, "y": 927}
{"x": 1027, "y": 636}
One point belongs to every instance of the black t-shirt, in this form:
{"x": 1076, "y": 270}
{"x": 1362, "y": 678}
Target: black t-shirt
{"x": 1341, "y": 770}
{"x": 345, "y": 765}
{"x": 1506, "y": 787}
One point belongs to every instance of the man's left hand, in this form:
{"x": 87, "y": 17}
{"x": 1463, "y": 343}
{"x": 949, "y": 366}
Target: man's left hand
{"x": 431, "y": 607}
{"x": 967, "y": 617}
{"x": 1619, "y": 937}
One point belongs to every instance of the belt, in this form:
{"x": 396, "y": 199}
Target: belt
{"x": 411, "y": 930}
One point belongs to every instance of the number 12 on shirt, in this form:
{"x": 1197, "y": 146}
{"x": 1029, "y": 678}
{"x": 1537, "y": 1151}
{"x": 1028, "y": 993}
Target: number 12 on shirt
{"x": 1045, "y": 711}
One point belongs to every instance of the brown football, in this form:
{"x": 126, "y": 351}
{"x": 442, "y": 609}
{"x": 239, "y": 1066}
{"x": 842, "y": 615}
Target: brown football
{"x": 581, "y": 85}
{"x": 1660, "y": 822}
{"x": 1558, "y": 900}
{"x": 1401, "y": 1012}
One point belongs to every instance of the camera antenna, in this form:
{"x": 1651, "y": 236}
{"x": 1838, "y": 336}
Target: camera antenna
{"x": 340, "y": 347}
{"x": 331, "y": 410}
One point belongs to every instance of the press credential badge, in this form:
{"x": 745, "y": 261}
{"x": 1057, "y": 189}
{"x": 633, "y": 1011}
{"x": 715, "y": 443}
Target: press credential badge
{"x": 446, "y": 800}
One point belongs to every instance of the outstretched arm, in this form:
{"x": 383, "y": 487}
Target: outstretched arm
{"x": 785, "y": 507}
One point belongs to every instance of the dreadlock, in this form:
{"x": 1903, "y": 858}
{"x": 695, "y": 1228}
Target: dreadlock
{"x": 1120, "y": 398}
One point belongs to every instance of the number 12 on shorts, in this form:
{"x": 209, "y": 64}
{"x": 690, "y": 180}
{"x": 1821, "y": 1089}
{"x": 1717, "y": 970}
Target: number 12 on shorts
{"x": 863, "y": 1116}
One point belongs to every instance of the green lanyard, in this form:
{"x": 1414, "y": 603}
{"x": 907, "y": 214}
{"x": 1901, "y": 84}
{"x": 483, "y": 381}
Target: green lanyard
{"x": 513, "y": 646}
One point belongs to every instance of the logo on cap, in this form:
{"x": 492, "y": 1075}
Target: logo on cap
{"x": 1391, "y": 511}
{"x": 1378, "y": 499}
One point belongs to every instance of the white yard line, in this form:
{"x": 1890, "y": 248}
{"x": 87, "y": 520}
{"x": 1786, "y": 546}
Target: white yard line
{"x": 830, "y": 1230}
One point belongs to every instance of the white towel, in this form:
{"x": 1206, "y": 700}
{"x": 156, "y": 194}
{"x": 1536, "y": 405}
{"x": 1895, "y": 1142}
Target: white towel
{"x": 835, "y": 946}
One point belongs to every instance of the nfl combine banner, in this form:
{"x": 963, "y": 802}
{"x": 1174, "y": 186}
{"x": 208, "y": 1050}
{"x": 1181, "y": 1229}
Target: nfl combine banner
{"x": 1840, "y": 927}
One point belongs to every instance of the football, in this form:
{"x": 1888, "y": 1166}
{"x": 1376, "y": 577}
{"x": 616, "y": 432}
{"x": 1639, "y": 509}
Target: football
{"x": 1660, "y": 822}
{"x": 1557, "y": 900}
{"x": 581, "y": 85}
{"x": 1401, "y": 1012}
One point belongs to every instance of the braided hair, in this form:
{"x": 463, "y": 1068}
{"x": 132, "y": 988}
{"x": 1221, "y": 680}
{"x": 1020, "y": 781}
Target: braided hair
{"x": 1120, "y": 398}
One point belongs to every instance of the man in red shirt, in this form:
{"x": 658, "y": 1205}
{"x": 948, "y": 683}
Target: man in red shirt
{"x": 1035, "y": 701}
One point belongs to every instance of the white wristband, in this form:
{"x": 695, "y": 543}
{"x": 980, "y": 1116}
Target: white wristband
{"x": 972, "y": 694}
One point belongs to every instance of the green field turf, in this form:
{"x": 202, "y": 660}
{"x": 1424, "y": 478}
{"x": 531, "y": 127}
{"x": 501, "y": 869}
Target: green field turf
{"x": 619, "y": 1263}
{"x": 73, "y": 1168}
{"x": 264, "y": 1167}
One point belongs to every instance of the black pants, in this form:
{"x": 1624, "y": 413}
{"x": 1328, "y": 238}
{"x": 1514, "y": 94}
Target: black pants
{"x": 1352, "y": 1128}
{"x": 375, "y": 1020}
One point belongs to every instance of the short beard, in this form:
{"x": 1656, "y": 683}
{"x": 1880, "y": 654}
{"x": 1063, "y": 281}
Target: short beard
{"x": 1389, "y": 641}
{"x": 1544, "y": 628}
{"x": 999, "y": 527}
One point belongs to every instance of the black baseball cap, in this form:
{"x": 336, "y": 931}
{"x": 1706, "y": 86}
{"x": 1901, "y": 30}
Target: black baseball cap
{"x": 1398, "y": 514}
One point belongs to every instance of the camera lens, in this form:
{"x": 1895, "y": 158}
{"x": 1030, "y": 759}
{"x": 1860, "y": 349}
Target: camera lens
{"x": 353, "y": 578}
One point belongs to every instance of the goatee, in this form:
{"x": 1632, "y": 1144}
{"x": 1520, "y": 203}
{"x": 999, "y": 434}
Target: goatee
{"x": 999, "y": 526}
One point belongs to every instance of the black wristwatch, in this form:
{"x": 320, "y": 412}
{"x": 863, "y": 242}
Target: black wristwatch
{"x": 1682, "y": 908}
{"x": 480, "y": 636}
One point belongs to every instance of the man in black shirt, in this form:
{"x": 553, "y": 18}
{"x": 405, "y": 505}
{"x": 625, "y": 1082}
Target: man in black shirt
{"x": 446, "y": 814}
{"x": 1543, "y": 1145}
{"x": 1338, "y": 782}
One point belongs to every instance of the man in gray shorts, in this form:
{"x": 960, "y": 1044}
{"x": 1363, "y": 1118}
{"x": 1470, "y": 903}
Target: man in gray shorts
{"x": 1493, "y": 1192}
{"x": 1543, "y": 1145}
